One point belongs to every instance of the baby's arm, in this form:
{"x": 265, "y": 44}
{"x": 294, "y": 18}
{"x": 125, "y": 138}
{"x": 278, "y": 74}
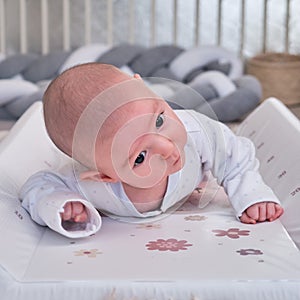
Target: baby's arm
{"x": 47, "y": 196}
{"x": 260, "y": 212}
{"x": 232, "y": 161}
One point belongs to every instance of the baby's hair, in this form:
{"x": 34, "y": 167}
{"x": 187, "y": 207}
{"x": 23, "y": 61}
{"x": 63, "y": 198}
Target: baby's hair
{"x": 69, "y": 94}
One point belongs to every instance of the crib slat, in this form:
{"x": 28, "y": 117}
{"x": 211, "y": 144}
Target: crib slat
{"x": 175, "y": 22}
{"x": 87, "y": 21}
{"x": 2, "y": 27}
{"x": 265, "y": 26}
{"x": 197, "y": 20}
{"x": 66, "y": 25}
{"x": 23, "y": 27}
{"x": 287, "y": 26}
{"x": 242, "y": 28}
{"x": 45, "y": 26}
{"x": 219, "y": 21}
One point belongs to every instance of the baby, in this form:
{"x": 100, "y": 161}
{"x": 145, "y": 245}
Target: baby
{"x": 134, "y": 156}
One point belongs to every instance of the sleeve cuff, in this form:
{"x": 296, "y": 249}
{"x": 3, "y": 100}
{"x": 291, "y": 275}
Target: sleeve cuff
{"x": 248, "y": 190}
{"x": 49, "y": 211}
{"x": 265, "y": 195}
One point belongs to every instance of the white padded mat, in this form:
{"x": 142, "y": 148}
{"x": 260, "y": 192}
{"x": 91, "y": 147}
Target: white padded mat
{"x": 194, "y": 253}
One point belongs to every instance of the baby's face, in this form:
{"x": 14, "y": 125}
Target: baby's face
{"x": 147, "y": 147}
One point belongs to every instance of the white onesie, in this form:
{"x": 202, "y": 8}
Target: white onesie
{"x": 211, "y": 147}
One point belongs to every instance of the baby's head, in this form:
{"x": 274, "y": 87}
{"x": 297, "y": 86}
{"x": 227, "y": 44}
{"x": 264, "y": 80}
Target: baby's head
{"x": 70, "y": 93}
{"x": 114, "y": 125}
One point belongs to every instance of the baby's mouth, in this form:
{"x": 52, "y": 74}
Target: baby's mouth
{"x": 176, "y": 161}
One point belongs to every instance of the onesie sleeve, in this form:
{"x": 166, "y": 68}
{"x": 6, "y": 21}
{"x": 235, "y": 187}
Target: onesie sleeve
{"x": 232, "y": 160}
{"x": 44, "y": 196}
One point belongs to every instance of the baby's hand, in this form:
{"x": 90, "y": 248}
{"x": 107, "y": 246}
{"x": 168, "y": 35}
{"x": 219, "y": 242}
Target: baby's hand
{"x": 74, "y": 211}
{"x": 260, "y": 212}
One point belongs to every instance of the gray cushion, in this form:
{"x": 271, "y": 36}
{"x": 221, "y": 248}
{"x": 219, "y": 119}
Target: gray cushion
{"x": 154, "y": 58}
{"x": 46, "y": 66}
{"x": 15, "y": 64}
{"x": 121, "y": 55}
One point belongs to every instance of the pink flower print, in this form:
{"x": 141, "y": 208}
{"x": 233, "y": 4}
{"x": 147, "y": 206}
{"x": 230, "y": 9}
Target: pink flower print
{"x": 89, "y": 253}
{"x": 148, "y": 226}
{"x": 233, "y": 233}
{"x": 168, "y": 245}
{"x": 195, "y": 218}
{"x": 249, "y": 252}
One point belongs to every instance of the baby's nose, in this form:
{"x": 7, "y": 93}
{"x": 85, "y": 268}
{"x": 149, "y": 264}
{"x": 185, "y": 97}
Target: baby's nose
{"x": 164, "y": 147}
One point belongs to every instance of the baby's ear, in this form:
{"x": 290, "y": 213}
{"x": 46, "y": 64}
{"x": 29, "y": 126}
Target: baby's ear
{"x": 96, "y": 176}
{"x": 137, "y": 76}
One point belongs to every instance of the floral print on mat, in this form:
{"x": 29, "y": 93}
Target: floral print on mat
{"x": 249, "y": 252}
{"x": 195, "y": 218}
{"x": 89, "y": 253}
{"x": 168, "y": 245}
{"x": 148, "y": 226}
{"x": 233, "y": 233}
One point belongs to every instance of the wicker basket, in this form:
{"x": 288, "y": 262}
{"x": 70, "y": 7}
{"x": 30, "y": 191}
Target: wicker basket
{"x": 279, "y": 74}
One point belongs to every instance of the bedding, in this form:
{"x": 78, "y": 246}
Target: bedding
{"x": 198, "y": 252}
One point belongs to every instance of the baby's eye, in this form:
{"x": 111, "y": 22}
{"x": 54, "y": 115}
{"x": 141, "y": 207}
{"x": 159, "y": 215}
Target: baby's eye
{"x": 160, "y": 120}
{"x": 140, "y": 159}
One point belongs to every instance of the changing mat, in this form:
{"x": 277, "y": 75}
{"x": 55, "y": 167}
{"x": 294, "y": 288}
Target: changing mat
{"x": 192, "y": 253}
{"x": 198, "y": 252}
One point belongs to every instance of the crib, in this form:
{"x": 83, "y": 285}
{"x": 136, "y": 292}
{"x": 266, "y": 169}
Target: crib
{"x": 245, "y": 27}
{"x": 198, "y": 252}
{"x": 45, "y": 28}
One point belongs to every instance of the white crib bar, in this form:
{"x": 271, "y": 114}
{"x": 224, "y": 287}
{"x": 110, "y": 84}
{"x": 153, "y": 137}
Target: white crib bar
{"x": 2, "y": 27}
{"x": 23, "y": 27}
{"x": 153, "y": 28}
{"x": 287, "y": 26}
{"x": 265, "y": 26}
{"x": 66, "y": 25}
{"x": 131, "y": 29}
{"x": 110, "y": 17}
{"x": 197, "y": 21}
{"x": 45, "y": 26}
{"x": 175, "y": 23}
{"x": 242, "y": 27}
{"x": 87, "y": 20}
{"x": 219, "y": 20}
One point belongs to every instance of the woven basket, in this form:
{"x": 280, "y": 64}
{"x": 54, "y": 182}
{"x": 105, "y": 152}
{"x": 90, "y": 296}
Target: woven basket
{"x": 279, "y": 74}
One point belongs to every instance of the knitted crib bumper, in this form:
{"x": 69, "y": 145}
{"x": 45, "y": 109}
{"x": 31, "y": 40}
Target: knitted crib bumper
{"x": 279, "y": 74}
{"x": 213, "y": 72}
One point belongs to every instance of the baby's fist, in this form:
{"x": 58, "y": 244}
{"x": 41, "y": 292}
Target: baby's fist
{"x": 260, "y": 212}
{"x": 74, "y": 211}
